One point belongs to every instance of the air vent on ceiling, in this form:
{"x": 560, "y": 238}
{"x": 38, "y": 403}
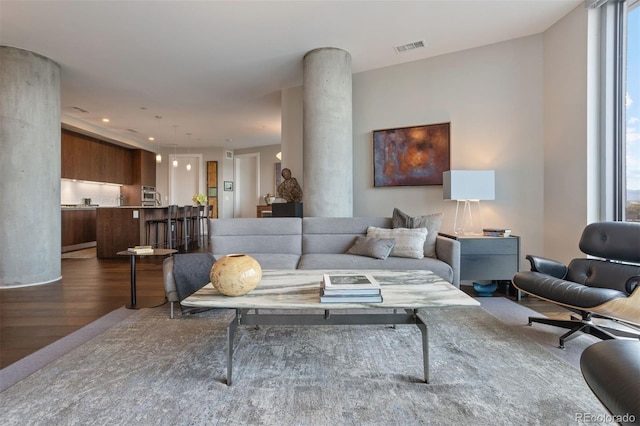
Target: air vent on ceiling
{"x": 132, "y": 131}
{"x": 409, "y": 46}
{"x": 79, "y": 109}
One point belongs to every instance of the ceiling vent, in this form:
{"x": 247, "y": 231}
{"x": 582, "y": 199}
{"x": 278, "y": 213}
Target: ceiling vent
{"x": 132, "y": 131}
{"x": 409, "y": 46}
{"x": 78, "y": 109}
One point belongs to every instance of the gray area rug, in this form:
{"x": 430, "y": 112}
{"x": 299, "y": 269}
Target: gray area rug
{"x": 149, "y": 370}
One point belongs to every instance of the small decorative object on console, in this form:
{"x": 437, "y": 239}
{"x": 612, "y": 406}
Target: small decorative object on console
{"x": 235, "y": 274}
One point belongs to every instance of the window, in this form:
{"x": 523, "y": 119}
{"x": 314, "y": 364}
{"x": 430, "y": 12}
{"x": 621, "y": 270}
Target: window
{"x": 619, "y": 108}
{"x": 631, "y": 181}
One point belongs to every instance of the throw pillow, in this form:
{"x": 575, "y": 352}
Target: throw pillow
{"x": 378, "y": 248}
{"x": 432, "y": 222}
{"x": 409, "y": 242}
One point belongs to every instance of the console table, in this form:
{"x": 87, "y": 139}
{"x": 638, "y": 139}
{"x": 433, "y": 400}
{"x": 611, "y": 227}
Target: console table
{"x": 488, "y": 258}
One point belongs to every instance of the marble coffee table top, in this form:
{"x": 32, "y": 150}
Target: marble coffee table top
{"x": 300, "y": 289}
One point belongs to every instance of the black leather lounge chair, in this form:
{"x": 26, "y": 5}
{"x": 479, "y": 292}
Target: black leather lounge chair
{"x": 606, "y": 285}
{"x": 612, "y": 371}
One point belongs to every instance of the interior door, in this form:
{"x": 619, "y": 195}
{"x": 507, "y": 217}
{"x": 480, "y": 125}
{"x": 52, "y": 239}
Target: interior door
{"x": 247, "y": 184}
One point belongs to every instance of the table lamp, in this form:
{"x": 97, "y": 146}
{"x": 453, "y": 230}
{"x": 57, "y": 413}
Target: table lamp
{"x": 468, "y": 187}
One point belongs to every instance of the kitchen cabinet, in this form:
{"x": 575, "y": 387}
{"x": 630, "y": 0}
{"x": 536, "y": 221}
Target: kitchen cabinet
{"x": 78, "y": 228}
{"x": 87, "y": 158}
{"x": 143, "y": 173}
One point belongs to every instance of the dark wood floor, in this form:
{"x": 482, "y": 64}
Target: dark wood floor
{"x": 33, "y": 317}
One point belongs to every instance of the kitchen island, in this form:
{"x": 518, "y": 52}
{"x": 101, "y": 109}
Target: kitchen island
{"x": 118, "y": 228}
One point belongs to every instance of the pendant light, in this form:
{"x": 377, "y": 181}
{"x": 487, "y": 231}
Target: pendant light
{"x": 158, "y": 155}
{"x": 188, "y": 159}
{"x": 175, "y": 147}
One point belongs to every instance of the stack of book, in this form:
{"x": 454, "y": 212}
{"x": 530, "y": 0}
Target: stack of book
{"x": 496, "y": 232}
{"x": 349, "y": 288}
{"x": 140, "y": 250}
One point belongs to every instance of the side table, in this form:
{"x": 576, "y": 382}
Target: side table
{"x": 147, "y": 302}
{"x": 488, "y": 258}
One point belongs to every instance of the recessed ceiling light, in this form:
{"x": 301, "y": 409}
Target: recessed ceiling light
{"x": 105, "y": 120}
{"x": 151, "y": 138}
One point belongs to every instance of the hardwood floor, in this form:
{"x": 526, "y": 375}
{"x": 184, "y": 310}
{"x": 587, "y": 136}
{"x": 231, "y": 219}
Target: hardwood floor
{"x": 33, "y": 317}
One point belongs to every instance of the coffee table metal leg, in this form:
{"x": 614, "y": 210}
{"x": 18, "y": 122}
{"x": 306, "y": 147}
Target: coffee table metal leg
{"x": 425, "y": 347}
{"x": 231, "y": 330}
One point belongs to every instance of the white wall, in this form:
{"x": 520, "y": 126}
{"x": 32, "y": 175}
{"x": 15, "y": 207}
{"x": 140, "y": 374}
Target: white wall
{"x": 493, "y": 97}
{"x": 268, "y": 162}
{"x": 567, "y": 161}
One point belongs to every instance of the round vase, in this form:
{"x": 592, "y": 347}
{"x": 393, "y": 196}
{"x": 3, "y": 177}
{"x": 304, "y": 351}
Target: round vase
{"x": 235, "y": 274}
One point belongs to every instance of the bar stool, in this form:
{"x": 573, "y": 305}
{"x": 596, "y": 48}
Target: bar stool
{"x": 154, "y": 224}
{"x": 184, "y": 226}
{"x": 171, "y": 227}
{"x": 200, "y": 214}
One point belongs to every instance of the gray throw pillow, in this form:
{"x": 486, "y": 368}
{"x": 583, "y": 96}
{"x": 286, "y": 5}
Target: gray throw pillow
{"x": 432, "y": 222}
{"x": 378, "y": 248}
{"x": 409, "y": 242}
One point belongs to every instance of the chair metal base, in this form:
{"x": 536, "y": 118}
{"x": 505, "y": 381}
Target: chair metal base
{"x": 585, "y": 325}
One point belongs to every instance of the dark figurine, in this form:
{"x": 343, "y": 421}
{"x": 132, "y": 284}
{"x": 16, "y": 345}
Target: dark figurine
{"x": 289, "y": 189}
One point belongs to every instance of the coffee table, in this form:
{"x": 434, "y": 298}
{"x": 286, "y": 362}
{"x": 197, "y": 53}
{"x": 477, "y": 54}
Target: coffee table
{"x": 298, "y": 290}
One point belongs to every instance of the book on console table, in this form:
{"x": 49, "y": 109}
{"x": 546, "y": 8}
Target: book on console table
{"x": 496, "y": 232}
{"x": 349, "y": 284}
{"x": 140, "y": 250}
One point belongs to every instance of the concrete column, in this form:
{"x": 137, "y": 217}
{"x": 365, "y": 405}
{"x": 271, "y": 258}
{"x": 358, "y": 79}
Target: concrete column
{"x": 328, "y": 144}
{"x": 30, "y": 240}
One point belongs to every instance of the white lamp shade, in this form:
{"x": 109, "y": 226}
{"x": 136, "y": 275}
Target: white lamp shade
{"x": 469, "y": 185}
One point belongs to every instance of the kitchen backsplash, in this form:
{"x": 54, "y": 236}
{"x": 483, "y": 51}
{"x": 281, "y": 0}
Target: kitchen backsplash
{"x": 102, "y": 194}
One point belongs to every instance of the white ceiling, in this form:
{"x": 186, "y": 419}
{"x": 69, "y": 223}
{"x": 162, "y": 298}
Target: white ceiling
{"x": 215, "y": 69}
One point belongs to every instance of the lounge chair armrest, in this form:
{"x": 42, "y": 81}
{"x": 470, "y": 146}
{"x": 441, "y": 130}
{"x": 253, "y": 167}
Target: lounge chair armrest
{"x": 547, "y": 266}
{"x": 632, "y": 284}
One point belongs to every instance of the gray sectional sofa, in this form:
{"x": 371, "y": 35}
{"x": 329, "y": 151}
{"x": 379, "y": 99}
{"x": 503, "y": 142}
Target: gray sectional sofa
{"x": 314, "y": 243}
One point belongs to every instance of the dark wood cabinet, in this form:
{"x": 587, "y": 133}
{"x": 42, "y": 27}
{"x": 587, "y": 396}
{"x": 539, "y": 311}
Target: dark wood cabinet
{"x": 143, "y": 173}
{"x": 86, "y": 158}
{"x": 78, "y": 228}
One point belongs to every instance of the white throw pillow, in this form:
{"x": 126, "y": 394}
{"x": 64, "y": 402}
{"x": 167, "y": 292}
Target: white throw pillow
{"x": 409, "y": 242}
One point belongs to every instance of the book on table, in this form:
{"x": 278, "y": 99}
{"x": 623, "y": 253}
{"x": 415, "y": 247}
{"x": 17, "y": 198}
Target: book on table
{"x": 350, "y": 282}
{"x": 350, "y": 298}
{"x": 349, "y": 288}
{"x": 140, "y": 250}
{"x": 496, "y": 232}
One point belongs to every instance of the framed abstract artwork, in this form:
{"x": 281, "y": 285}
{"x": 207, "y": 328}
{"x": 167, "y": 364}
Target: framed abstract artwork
{"x": 411, "y": 156}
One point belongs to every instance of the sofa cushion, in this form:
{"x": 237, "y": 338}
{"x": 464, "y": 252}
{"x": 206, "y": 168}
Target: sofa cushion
{"x": 277, "y": 235}
{"x": 329, "y": 262}
{"x": 336, "y": 234}
{"x": 378, "y": 248}
{"x": 432, "y": 222}
{"x": 409, "y": 242}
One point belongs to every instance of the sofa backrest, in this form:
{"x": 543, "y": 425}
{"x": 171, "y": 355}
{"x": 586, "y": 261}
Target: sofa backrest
{"x": 336, "y": 234}
{"x": 279, "y": 235}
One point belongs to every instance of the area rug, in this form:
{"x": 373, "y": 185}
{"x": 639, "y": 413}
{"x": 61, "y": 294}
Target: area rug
{"x": 150, "y": 370}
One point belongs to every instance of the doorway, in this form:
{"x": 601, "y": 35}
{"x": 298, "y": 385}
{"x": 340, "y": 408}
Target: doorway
{"x": 183, "y": 183}
{"x": 247, "y": 184}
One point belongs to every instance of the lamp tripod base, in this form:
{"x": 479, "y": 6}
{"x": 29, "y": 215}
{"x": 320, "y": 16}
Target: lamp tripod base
{"x": 468, "y": 221}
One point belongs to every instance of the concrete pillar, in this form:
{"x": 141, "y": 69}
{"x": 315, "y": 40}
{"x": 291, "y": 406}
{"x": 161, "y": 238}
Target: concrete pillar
{"x": 328, "y": 135}
{"x": 30, "y": 240}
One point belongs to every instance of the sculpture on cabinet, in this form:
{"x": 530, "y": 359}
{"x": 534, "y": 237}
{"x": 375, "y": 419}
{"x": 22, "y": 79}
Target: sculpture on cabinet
{"x": 289, "y": 189}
